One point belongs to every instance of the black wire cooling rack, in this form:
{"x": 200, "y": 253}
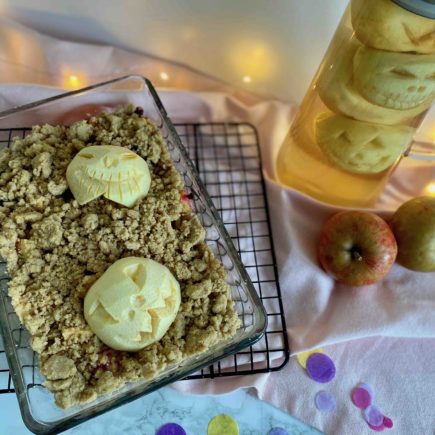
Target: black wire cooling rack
{"x": 227, "y": 156}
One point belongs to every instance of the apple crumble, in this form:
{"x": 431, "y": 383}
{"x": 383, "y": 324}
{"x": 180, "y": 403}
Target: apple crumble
{"x": 56, "y": 249}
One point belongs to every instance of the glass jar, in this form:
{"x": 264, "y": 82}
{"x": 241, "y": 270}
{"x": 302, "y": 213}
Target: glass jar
{"x": 371, "y": 92}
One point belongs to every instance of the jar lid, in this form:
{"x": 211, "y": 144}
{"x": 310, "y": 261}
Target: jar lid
{"x": 426, "y": 8}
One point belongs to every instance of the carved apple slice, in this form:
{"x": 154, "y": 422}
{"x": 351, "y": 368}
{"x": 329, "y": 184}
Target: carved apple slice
{"x": 115, "y": 172}
{"x": 360, "y": 147}
{"x": 133, "y": 304}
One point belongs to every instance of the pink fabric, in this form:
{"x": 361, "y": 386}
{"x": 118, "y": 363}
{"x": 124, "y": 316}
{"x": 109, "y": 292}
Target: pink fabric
{"x": 319, "y": 311}
{"x": 364, "y": 328}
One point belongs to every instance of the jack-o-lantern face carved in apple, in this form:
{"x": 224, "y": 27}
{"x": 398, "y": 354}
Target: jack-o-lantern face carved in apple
{"x": 385, "y": 25}
{"x": 376, "y": 86}
{"x": 133, "y": 303}
{"x": 115, "y": 172}
{"x": 361, "y": 147}
{"x": 394, "y": 80}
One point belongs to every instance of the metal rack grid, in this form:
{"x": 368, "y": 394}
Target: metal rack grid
{"x": 227, "y": 157}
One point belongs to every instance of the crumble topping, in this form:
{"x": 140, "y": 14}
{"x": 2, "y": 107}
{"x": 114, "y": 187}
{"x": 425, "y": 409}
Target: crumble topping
{"x": 55, "y": 250}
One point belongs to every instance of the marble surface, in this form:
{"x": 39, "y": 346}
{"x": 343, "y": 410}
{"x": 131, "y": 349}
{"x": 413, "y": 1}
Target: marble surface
{"x": 145, "y": 415}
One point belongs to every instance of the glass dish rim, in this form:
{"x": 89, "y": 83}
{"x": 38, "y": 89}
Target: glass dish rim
{"x": 10, "y": 347}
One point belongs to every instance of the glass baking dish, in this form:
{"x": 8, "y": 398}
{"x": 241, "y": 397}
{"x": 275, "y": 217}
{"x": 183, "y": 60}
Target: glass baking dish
{"x": 39, "y": 412}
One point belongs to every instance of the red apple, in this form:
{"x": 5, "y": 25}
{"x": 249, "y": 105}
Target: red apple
{"x": 357, "y": 248}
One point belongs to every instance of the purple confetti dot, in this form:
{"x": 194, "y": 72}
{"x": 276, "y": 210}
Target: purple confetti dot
{"x": 171, "y": 429}
{"x": 278, "y": 431}
{"x": 325, "y": 401}
{"x": 320, "y": 368}
{"x": 368, "y": 388}
{"x": 373, "y": 416}
{"x": 388, "y": 423}
{"x": 361, "y": 398}
{"x": 376, "y": 428}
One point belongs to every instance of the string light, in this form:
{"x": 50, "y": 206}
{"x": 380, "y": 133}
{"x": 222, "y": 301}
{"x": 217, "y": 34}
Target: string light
{"x": 164, "y": 76}
{"x": 73, "y": 80}
{"x": 430, "y": 188}
{"x": 250, "y": 58}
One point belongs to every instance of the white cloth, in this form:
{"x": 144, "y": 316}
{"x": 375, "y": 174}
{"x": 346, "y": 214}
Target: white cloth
{"x": 317, "y": 310}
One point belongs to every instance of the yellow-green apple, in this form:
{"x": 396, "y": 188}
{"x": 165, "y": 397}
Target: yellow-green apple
{"x": 413, "y": 225}
{"x": 357, "y": 248}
